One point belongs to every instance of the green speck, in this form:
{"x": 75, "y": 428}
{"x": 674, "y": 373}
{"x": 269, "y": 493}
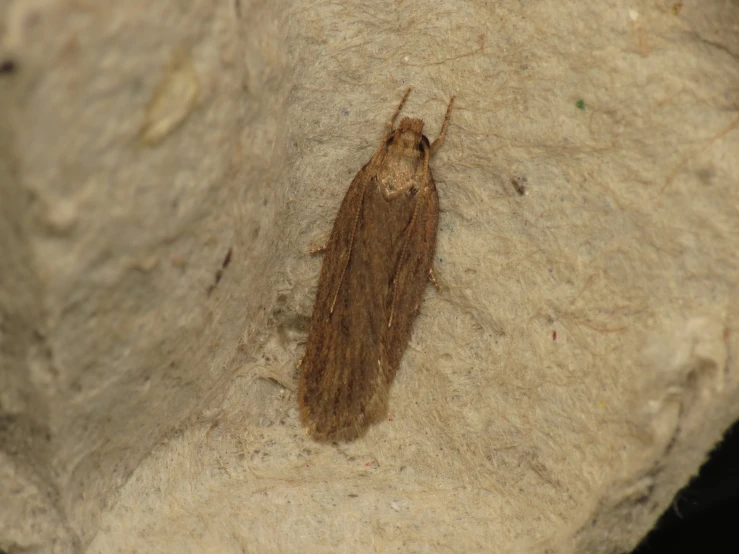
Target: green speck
{"x": 580, "y": 104}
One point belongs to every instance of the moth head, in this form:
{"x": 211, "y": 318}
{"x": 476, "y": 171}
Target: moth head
{"x": 409, "y": 133}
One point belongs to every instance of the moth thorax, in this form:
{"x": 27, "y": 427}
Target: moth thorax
{"x": 399, "y": 173}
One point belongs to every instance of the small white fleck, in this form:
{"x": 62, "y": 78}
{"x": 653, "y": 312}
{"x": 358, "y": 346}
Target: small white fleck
{"x": 633, "y": 15}
{"x": 395, "y": 505}
{"x": 173, "y": 100}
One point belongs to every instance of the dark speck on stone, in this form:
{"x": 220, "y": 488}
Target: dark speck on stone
{"x": 7, "y": 66}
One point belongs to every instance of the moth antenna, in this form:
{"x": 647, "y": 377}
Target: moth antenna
{"x": 432, "y": 277}
{"x": 390, "y": 124}
{"x": 442, "y": 134}
{"x": 409, "y": 232}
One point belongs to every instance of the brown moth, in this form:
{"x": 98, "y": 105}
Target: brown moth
{"x": 375, "y": 271}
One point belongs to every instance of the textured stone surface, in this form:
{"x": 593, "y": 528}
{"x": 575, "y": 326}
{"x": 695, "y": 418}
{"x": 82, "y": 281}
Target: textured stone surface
{"x": 572, "y": 374}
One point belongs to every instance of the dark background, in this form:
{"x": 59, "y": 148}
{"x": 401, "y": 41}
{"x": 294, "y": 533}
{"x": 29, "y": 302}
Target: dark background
{"x": 704, "y": 516}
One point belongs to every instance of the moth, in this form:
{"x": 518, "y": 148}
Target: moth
{"x": 378, "y": 261}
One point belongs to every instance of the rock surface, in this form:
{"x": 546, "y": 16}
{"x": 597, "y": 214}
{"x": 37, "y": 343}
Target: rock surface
{"x": 165, "y": 166}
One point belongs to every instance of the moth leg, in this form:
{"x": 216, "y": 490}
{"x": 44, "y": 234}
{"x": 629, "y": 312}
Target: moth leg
{"x": 409, "y": 232}
{"x": 319, "y": 249}
{"x": 442, "y": 134}
{"x": 389, "y": 125}
{"x": 432, "y": 276}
